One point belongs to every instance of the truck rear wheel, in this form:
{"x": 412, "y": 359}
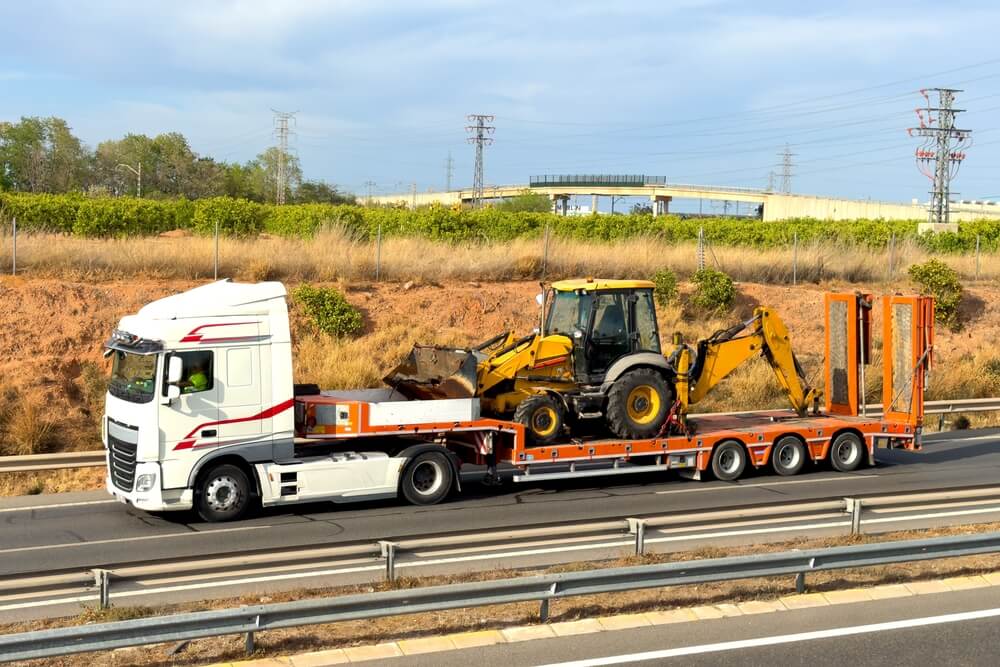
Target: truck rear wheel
{"x": 846, "y": 452}
{"x": 729, "y": 460}
{"x": 638, "y": 404}
{"x": 427, "y": 479}
{"x": 543, "y": 418}
{"x": 223, "y": 493}
{"x": 788, "y": 455}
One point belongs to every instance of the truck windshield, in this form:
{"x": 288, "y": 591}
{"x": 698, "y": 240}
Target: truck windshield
{"x": 569, "y": 311}
{"x": 133, "y": 377}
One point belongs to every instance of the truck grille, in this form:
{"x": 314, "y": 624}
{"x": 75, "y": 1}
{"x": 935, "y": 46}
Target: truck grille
{"x": 121, "y": 462}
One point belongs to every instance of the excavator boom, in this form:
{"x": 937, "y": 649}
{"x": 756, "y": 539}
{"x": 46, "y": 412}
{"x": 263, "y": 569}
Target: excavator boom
{"x": 725, "y": 351}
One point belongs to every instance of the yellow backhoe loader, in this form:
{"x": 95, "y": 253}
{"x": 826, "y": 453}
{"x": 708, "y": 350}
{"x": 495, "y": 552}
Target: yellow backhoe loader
{"x": 597, "y": 354}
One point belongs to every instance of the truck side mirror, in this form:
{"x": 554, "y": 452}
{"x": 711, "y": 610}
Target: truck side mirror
{"x": 173, "y": 391}
{"x": 175, "y": 370}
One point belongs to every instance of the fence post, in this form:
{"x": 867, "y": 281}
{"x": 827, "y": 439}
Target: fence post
{"x": 545, "y": 253}
{"x": 892, "y": 251}
{"x": 977, "y": 257}
{"x": 637, "y": 527}
{"x": 13, "y": 264}
{"x": 378, "y": 252}
{"x": 388, "y": 550}
{"x": 795, "y": 258}
{"x": 216, "y": 247}
{"x": 701, "y": 248}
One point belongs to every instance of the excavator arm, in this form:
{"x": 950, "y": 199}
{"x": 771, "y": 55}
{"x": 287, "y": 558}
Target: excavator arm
{"x": 699, "y": 371}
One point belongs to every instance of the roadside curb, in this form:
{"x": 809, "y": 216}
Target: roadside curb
{"x": 462, "y": 640}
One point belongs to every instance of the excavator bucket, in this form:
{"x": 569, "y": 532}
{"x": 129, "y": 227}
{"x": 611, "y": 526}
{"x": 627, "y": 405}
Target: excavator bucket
{"x": 431, "y": 372}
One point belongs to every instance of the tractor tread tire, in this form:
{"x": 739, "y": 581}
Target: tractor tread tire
{"x": 527, "y": 407}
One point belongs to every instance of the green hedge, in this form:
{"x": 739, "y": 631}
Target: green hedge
{"x": 127, "y": 216}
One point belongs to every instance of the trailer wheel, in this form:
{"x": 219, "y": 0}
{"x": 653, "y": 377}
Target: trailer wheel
{"x": 638, "y": 404}
{"x": 846, "y": 452}
{"x": 427, "y": 479}
{"x": 788, "y": 455}
{"x": 223, "y": 493}
{"x": 542, "y": 417}
{"x": 729, "y": 460}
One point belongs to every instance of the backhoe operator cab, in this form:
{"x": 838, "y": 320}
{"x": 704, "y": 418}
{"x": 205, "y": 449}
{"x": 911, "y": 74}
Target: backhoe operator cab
{"x": 617, "y": 367}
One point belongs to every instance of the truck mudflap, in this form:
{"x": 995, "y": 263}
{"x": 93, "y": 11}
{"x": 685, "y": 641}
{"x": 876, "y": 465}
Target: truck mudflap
{"x": 431, "y": 372}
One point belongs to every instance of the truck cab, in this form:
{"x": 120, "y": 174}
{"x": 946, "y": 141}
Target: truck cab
{"x": 195, "y": 378}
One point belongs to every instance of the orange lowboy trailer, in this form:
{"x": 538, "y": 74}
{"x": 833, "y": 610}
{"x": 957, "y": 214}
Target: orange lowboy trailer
{"x": 841, "y": 432}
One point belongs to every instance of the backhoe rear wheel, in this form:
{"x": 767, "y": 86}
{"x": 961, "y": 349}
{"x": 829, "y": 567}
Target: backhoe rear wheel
{"x": 638, "y": 404}
{"x": 543, "y": 418}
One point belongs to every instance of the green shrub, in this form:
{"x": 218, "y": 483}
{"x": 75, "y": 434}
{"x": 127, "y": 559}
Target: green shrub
{"x": 328, "y": 310}
{"x": 713, "y": 290}
{"x": 124, "y": 216}
{"x": 665, "y": 287}
{"x": 235, "y": 217}
{"x": 937, "y": 279}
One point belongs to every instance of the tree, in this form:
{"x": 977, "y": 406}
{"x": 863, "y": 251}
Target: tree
{"x": 268, "y": 162}
{"x": 527, "y": 201}
{"x": 319, "y": 192}
{"x": 41, "y": 155}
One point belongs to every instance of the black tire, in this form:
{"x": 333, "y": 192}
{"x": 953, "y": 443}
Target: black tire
{"x": 223, "y": 493}
{"x": 729, "y": 460}
{"x": 788, "y": 455}
{"x": 427, "y": 479}
{"x": 846, "y": 452}
{"x": 638, "y": 404}
{"x": 543, "y": 418}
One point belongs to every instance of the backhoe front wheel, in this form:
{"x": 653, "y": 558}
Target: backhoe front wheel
{"x": 638, "y": 404}
{"x": 542, "y": 417}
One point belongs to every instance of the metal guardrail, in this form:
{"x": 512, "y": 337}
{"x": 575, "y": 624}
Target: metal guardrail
{"x": 545, "y": 588}
{"x": 38, "y": 462}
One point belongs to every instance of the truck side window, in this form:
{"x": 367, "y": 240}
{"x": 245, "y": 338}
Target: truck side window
{"x": 198, "y": 372}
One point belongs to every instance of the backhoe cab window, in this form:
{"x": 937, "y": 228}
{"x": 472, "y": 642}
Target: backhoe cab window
{"x": 568, "y": 312}
{"x": 133, "y": 377}
{"x": 197, "y": 372}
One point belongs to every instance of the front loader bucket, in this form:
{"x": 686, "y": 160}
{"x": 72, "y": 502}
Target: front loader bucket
{"x": 435, "y": 372}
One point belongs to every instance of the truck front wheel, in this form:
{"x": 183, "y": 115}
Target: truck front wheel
{"x": 427, "y": 479}
{"x": 223, "y": 493}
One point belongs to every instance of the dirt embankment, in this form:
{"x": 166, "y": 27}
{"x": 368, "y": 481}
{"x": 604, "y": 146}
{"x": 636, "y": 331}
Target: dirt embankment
{"x": 51, "y": 331}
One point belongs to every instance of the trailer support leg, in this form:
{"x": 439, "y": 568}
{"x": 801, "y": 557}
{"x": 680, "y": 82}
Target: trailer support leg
{"x": 800, "y": 582}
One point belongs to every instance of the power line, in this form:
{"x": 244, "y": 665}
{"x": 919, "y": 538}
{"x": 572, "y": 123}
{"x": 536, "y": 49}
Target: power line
{"x": 938, "y": 158}
{"x": 282, "y": 131}
{"x": 480, "y": 140}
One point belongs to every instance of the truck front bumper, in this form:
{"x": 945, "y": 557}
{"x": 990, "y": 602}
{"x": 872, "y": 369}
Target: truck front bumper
{"x": 155, "y": 499}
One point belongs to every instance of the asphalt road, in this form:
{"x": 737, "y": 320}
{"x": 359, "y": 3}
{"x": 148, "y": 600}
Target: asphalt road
{"x": 66, "y": 531}
{"x": 921, "y": 630}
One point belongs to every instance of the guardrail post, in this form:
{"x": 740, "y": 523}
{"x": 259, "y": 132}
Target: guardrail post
{"x": 854, "y": 506}
{"x": 248, "y": 644}
{"x": 543, "y": 610}
{"x": 800, "y": 582}
{"x": 388, "y": 550}
{"x": 637, "y": 527}
{"x": 102, "y": 580}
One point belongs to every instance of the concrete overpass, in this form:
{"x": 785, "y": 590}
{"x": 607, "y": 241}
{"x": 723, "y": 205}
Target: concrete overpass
{"x": 776, "y": 206}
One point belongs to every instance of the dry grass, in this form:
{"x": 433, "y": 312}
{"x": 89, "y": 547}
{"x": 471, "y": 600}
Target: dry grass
{"x": 336, "y": 255}
{"x": 26, "y": 427}
{"x": 51, "y": 481}
{"x": 295, "y": 640}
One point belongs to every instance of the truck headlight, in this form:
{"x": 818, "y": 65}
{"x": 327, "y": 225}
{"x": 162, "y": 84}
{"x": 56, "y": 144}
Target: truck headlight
{"x": 145, "y": 482}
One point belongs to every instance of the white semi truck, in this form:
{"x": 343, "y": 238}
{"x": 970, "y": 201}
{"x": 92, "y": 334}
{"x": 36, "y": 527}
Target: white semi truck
{"x": 202, "y": 413}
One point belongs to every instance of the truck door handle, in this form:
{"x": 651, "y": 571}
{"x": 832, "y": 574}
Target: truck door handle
{"x": 209, "y": 433}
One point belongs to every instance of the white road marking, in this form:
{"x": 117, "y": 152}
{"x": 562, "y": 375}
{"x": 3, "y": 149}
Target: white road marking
{"x": 933, "y": 515}
{"x": 58, "y": 505}
{"x": 781, "y": 639}
{"x": 131, "y": 539}
{"x": 839, "y": 478}
{"x": 995, "y": 436}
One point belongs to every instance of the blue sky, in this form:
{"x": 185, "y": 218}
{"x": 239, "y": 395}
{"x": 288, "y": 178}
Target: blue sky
{"x": 694, "y": 90}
